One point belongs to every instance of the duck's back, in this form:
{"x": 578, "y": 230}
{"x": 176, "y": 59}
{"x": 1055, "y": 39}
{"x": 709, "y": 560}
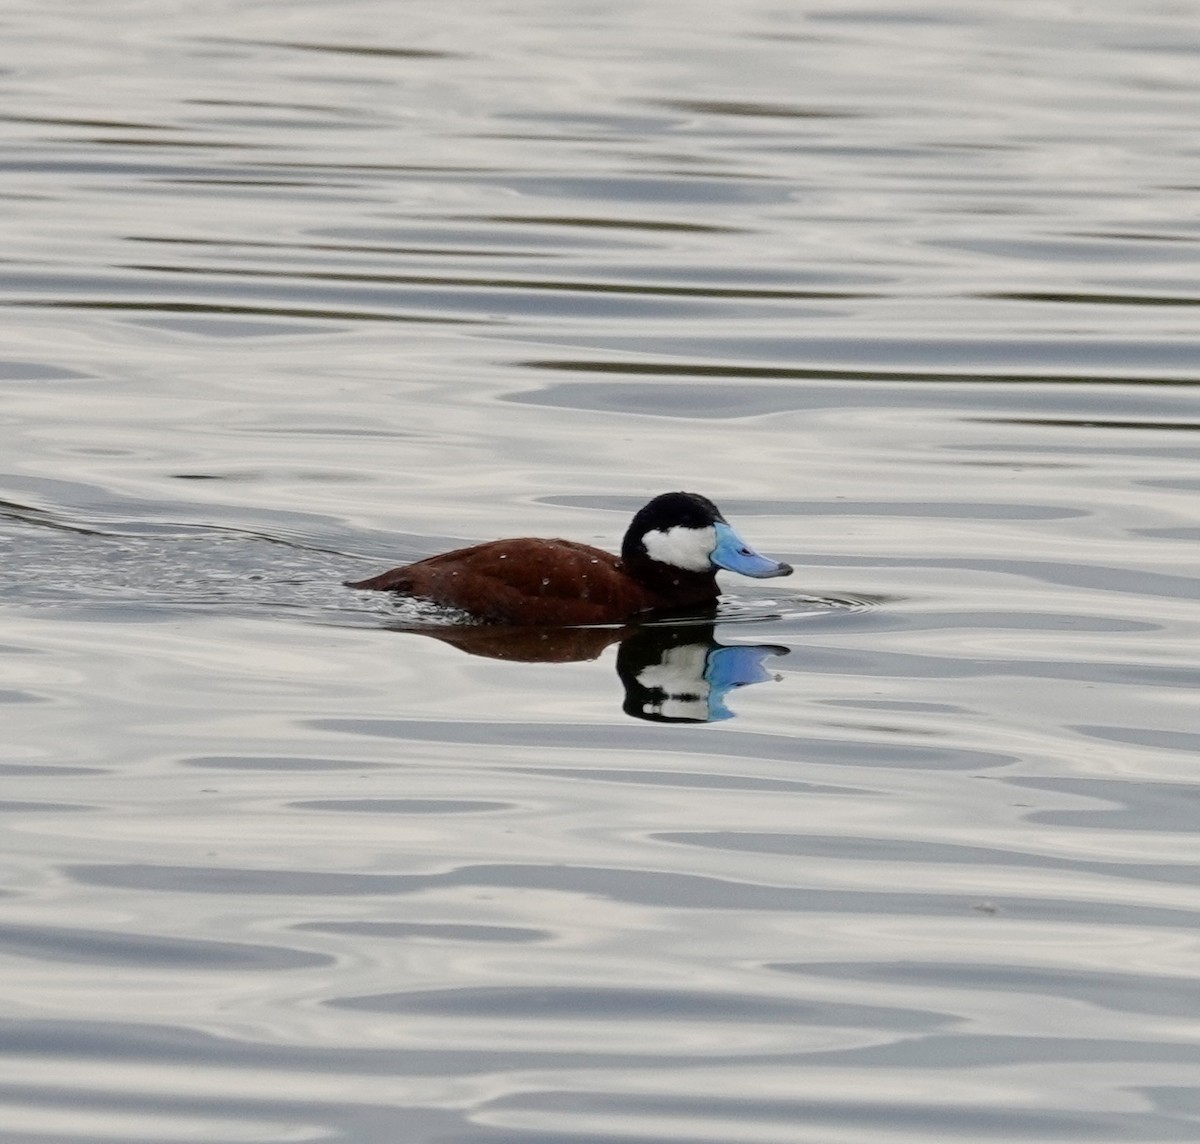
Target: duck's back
{"x": 524, "y": 581}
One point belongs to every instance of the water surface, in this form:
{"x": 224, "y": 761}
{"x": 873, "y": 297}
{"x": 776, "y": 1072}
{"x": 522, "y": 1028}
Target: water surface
{"x": 899, "y": 849}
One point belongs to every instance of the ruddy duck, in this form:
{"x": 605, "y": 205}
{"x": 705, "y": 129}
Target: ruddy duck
{"x": 669, "y": 560}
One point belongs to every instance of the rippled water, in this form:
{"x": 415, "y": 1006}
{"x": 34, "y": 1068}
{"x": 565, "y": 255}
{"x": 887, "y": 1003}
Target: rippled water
{"x": 900, "y": 849}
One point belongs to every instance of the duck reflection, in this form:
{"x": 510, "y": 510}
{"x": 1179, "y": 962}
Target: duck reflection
{"x": 676, "y": 674}
{"x": 671, "y": 672}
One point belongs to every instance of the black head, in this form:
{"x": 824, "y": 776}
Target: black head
{"x": 685, "y": 532}
{"x": 670, "y": 510}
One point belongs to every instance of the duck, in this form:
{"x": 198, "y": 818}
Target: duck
{"x": 669, "y": 560}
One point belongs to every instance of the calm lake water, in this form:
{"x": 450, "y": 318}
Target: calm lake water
{"x": 901, "y": 849}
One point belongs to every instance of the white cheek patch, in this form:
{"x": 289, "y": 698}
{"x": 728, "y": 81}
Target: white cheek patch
{"x": 686, "y": 548}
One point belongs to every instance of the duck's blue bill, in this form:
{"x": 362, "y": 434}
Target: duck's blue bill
{"x": 735, "y": 555}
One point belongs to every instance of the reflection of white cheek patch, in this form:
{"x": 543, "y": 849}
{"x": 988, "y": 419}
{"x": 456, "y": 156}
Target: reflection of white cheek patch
{"x": 678, "y": 689}
{"x": 687, "y": 548}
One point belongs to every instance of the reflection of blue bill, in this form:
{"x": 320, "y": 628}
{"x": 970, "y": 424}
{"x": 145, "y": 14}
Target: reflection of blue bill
{"x": 735, "y": 665}
{"x": 688, "y": 683}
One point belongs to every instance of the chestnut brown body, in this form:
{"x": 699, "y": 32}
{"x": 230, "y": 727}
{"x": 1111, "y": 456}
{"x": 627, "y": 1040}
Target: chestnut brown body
{"x": 544, "y": 582}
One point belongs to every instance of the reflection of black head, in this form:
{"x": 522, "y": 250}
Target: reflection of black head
{"x": 681, "y": 674}
{"x": 662, "y": 667}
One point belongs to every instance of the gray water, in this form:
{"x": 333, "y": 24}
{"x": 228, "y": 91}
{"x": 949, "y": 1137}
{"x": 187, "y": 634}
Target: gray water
{"x": 294, "y": 292}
